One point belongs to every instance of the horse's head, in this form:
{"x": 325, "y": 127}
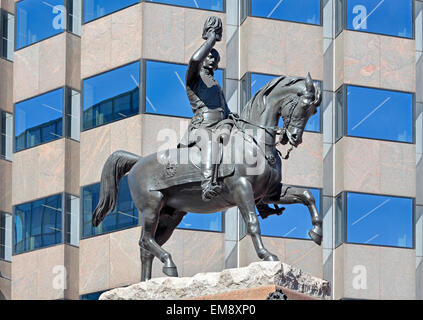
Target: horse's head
{"x": 296, "y": 107}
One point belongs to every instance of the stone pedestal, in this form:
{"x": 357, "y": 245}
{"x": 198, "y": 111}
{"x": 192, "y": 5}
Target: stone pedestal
{"x": 254, "y": 282}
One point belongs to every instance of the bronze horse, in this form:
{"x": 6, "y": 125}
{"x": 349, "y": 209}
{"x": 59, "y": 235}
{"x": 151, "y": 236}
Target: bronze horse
{"x": 160, "y": 211}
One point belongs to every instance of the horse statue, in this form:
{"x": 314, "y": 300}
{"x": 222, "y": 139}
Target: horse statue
{"x": 164, "y": 191}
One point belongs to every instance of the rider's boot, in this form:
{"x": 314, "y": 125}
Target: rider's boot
{"x": 209, "y": 189}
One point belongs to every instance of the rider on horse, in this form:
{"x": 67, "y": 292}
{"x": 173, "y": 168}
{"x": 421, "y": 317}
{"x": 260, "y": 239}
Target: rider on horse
{"x": 209, "y": 106}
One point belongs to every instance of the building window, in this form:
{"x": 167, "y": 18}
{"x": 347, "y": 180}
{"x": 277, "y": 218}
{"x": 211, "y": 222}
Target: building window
{"x": 388, "y": 17}
{"x": 92, "y": 296}
{"x": 295, "y": 222}
{"x": 72, "y": 222}
{"x": 125, "y": 214}
{"x": 215, "y": 5}
{"x": 94, "y": 9}
{"x": 175, "y": 102}
{"x": 5, "y": 236}
{"x": 38, "y": 224}
{"x": 257, "y": 80}
{"x": 38, "y": 20}
{"x": 6, "y": 135}
{"x": 374, "y": 220}
{"x": 111, "y": 96}
{"x": 304, "y": 11}
{"x": 368, "y": 112}
{"x": 7, "y": 32}
{"x": 204, "y": 222}
{"x": 40, "y": 119}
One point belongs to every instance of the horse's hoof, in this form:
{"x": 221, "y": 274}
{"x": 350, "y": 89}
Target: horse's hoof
{"x": 271, "y": 257}
{"x": 317, "y": 238}
{"x": 170, "y": 271}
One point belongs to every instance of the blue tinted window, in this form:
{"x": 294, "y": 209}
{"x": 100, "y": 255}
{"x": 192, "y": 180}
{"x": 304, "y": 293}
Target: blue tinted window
{"x": 123, "y": 216}
{"x": 94, "y": 9}
{"x": 5, "y": 236}
{"x": 390, "y": 17}
{"x": 111, "y": 96}
{"x": 216, "y": 5}
{"x": 260, "y": 80}
{"x": 379, "y": 114}
{"x": 169, "y": 99}
{"x": 295, "y": 221}
{"x": 306, "y": 11}
{"x": 38, "y": 224}
{"x": 207, "y": 222}
{"x": 39, "y": 120}
{"x": 92, "y": 296}
{"x": 37, "y": 20}
{"x": 7, "y": 27}
{"x": 379, "y": 220}
{"x": 6, "y": 135}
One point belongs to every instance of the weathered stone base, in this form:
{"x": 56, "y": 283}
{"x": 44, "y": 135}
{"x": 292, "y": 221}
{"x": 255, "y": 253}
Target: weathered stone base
{"x": 254, "y": 282}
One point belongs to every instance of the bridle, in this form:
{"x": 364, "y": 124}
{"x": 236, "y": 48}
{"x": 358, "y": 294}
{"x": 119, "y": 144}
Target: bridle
{"x": 272, "y": 130}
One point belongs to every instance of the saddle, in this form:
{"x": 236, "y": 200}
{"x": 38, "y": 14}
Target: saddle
{"x": 187, "y": 168}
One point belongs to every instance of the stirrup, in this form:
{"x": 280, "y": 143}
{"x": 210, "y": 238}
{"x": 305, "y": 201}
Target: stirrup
{"x": 211, "y": 192}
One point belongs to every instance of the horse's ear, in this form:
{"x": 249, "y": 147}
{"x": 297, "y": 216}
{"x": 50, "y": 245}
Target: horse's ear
{"x": 309, "y": 84}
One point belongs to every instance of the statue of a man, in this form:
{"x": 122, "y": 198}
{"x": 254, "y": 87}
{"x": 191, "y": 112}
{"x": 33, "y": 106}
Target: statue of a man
{"x": 208, "y": 104}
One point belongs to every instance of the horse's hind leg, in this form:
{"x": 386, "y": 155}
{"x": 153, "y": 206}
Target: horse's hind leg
{"x": 168, "y": 221}
{"x": 146, "y": 264}
{"x": 149, "y": 204}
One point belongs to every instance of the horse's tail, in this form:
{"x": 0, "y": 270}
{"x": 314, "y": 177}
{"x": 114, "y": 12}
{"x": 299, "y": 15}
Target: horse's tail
{"x": 116, "y": 166}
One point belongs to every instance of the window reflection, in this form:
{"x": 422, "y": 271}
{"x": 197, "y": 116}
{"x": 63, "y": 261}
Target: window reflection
{"x": 38, "y": 224}
{"x": 175, "y": 101}
{"x": 371, "y": 112}
{"x": 215, "y": 5}
{"x": 37, "y": 20}
{"x": 39, "y": 120}
{"x": 6, "y": 135}
{"x": 7, "y": 28}
{"x": 206, "y": 222}
{"x": 94, "y": 9}
{"x": 305, "y": 11}
{"x": 295, "y": 221}
{"x": 376, "y": 220}
{"x": 125, "y": 214}
{"x": 5, "y": 236}
{"x": 92, "y": 296}
{"x": 111, "y": 96}
{"x": 260, "y": 80}
{"x": 390, "y": 17}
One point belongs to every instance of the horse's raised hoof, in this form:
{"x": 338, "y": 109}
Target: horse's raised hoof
{"x": 271, "y": 257}
{"x": 170, "y": 271}
{"x": 316, "y": 237}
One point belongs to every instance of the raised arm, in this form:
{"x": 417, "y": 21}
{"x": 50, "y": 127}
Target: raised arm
{"x": 212, "y": 32}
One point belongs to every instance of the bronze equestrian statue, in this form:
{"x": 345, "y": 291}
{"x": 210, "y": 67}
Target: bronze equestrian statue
{"x": 164, "y": 188}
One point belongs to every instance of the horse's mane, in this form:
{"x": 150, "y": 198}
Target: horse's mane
{"x": 258, "y": 100}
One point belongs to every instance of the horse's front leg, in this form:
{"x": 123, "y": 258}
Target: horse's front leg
{"x": 244, "y": 197}
{"x": 293, "y": 195}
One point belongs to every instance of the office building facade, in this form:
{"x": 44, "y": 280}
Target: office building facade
{"x": 80, "y": 79}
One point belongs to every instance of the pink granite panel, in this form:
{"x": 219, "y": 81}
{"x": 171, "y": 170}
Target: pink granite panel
{"x": 398, "y": 64}
{"x": 203, "y": 252}
{"x": 305, "y": 164}
{"x": 163, "y": 33}
{"x": 125, "y": 264}
{"x": 362, "y": 58}
{"x": 38, "y": 172}
{"x": 94, "y": 264}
